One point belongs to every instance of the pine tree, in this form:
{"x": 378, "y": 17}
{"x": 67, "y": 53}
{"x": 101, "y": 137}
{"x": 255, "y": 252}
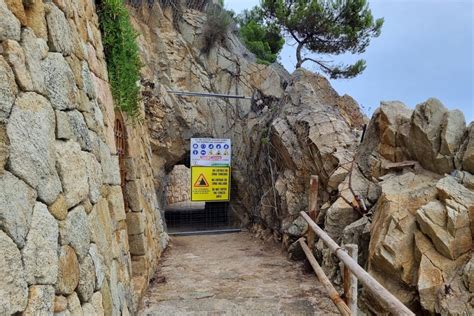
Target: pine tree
{"x": 330, "y": 27}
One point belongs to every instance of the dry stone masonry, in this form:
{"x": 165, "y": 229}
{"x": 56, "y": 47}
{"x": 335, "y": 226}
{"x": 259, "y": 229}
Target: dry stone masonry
{"x": 67, "y": 243}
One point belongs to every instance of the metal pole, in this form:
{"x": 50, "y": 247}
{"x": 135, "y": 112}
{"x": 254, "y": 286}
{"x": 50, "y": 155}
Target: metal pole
{"x": 350, "y": 280}
{"x": 388, "y": 301}
{"x": 208, "y": 95}
{"x": 341, "y": 306}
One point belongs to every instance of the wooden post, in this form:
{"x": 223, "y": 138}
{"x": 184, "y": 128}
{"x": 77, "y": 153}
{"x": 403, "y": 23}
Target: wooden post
{"x": 350, "y": 280}
{"x": 313, "y": 207}
{"x": 385, "y": 298}
{"x": 341, "y": 306}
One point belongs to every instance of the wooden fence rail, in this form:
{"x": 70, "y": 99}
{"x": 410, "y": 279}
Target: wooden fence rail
{"x": 349, "y": 258}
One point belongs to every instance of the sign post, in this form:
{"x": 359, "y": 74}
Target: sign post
{"x": 210, "y": 169}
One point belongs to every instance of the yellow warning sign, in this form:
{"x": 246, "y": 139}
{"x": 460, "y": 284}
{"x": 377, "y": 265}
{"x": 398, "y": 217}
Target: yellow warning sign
{"x": 210, "y": 184}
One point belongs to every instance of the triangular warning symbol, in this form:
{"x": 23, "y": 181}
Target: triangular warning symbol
{"x": 201, "y": 182}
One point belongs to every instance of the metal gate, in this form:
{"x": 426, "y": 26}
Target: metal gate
{"x": 199, "y": 217}
{"x": 121, "y": 144}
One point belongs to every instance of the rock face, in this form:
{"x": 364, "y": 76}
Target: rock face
{"x": 422, "y": 227}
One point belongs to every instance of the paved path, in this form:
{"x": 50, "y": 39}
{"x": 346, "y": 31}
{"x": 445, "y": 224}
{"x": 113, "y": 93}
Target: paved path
{"x": 232, "y": 274}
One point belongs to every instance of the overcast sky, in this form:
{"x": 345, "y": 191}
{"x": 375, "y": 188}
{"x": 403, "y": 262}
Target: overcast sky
{"x": 425, "y": 50}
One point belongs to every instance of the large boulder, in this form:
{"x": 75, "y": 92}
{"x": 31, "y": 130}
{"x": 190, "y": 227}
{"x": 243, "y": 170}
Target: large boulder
{"x": 436, "y": 135}
{"x": 466, "y": 155}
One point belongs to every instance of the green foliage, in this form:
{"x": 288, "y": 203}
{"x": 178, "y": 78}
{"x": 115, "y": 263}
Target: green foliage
{"x": 262, "y": 39}
{"x": 326, "y": 27}
{"x": 121, "y": 53}
{"x": 216, "y": 27}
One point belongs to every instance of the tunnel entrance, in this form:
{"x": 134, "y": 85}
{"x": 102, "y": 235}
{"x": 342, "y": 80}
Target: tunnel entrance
{"x": 184, "y": 217}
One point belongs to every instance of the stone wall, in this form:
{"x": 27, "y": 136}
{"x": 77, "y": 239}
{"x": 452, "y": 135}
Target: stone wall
{"x": 178, "y": 186}
{"x": 68, "y": 244}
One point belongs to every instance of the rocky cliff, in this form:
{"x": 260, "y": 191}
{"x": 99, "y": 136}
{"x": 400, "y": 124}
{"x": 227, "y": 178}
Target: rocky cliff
{"x": 413, "y": 170}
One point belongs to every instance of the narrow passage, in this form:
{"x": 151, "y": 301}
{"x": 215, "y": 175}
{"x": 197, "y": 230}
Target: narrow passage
{"x": 232, "y": 274}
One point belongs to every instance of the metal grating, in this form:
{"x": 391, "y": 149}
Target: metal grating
{"x": 120, "y": 143}
{"x": 197, "y": 217}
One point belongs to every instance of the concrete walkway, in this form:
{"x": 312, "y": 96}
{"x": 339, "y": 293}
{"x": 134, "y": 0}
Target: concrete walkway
{"x": 232, "y": 274}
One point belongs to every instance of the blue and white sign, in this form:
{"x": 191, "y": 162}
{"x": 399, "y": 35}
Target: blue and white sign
{"x": 212, "y": 152}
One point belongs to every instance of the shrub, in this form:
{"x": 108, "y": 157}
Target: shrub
{"x": 216, "y": 27}
{"x": 121, "y": 54}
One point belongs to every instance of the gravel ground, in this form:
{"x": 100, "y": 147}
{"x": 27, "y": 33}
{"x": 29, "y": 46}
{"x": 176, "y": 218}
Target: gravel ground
{"x": 232, "y": 274}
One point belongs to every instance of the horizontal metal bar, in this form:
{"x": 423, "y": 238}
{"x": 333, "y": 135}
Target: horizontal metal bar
{"x": 208, "y": 95}
{"x": 387, "y": 299}
{"x": 206, "y": 232}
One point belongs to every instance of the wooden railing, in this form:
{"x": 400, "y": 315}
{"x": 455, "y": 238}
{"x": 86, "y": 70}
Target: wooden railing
{"x": 352, "y": 270}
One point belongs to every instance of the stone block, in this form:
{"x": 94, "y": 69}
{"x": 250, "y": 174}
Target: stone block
{"x": 137, "y": 244}
{"x": 60, "y": 304}
{"x": 40, "y": 300}
{"x": 63, "y": 126}
{"x": 135, "y": 223}
{"x": 31, "y": 130}
{"x": 86, "y": 286}
{"x": 72, "y": 171}
{"x": 74, "y": 231}
{"x": 35, "y": 14}
{"x": 14, "y": 296}
{"x": 59, "y": 32}
{"x": 9, "y": 24}
{"x": 59, "y": 82}
{"x": 15, "y": 57}
{"x": 16, "y": 207}
{"x": 59, "y": 208}
{"x": 74, "y": 305}
{"x": 134, "y": 196}
{"x": 40, "y": 254}
{"x": 68, "y": 274}
{"x": 35, "y": 49}
{"x": 116, "y": 204}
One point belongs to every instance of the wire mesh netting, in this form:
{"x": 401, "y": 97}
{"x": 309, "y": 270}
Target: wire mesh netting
{"x": 198, "y": 216}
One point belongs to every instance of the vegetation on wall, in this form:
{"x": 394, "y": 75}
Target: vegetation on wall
{"x": 262, "y": 39}
{"x": 331, "y": 27}
{"x": 121, "y": 53}
{"x": 216, "y": 27}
